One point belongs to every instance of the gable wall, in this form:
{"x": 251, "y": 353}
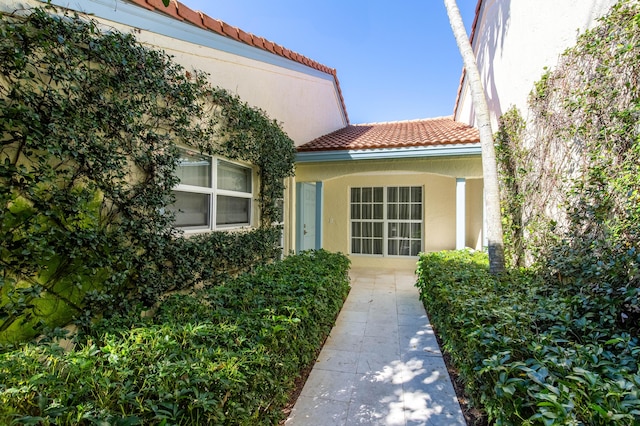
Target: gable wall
{"x": 305, "y": 101}
{"x": 515, "y": 40}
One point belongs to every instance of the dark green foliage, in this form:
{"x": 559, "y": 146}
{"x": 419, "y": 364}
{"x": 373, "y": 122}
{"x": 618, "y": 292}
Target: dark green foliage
{"x": 228, "y": 354}
{"x": 600, "y": 249}
{"x": 89, "y": 123}
{"x": 531, "y": 352}
{"x": 558, "y": 343}
{"x": 249, "y": 135}
{"x": 512, "y": 174}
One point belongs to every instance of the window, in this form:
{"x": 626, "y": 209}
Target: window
{"x": 367, "y": 220}
{"x": 386, "y": 221}
{"x": 212, "y": 192}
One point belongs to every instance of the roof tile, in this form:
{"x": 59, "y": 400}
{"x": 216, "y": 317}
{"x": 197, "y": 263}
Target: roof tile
{"x": 231, "y": 31}
{"x": 245, "y": 37}
{"x": 190, "y": 15}
{"x": 269, "y": 46}
{"x": 259, "y": 42}
{"x": 212, "y": 24}
{"x": 171, "y": 10}
{"x": 400, "y": 134}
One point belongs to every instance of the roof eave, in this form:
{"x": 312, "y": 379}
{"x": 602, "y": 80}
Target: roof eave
{"x": 474, "y": 26}
{"x": 389, "y": 153}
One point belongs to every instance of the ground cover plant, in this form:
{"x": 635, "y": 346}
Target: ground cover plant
{"x": 529, "y": 351}
{"x": 228, "y": 354}
{"x": 90, "y": 124}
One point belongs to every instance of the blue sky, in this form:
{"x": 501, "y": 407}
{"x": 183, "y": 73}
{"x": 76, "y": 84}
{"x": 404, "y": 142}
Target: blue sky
{"x": 395, "y": 60}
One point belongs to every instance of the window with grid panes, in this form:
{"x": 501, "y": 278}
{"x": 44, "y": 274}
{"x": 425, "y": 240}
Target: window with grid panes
{"x": 212, "y": 192}
{"x": 386, "y": 220}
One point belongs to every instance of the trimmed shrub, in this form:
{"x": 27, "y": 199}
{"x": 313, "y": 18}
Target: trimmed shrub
{"x": 227, "y": 354}
{"x": 530, "y": 352}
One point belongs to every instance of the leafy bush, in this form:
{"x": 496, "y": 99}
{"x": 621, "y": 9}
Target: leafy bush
{"x": 531, "y": 352}
{"x": 597, "y": 250}
{"x": 570, "y": 180}
{"x": 225, "y": 355}
{"x": 90, "y": 120}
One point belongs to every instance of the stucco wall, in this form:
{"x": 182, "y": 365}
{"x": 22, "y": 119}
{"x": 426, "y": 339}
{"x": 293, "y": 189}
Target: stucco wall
{"x": 439, "y": 213}
{"x": 439, "y": 200}
{"x": 463, "y": 166}
{"x": 304, "y": 100}
{"x": 307, "y": 106}
{"x": 475, "y": 213}
{"x": 515, "y": 40}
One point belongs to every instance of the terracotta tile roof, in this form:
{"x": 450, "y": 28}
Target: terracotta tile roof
{"x": 400, "y": 134}
{"x": 182, "y": 12}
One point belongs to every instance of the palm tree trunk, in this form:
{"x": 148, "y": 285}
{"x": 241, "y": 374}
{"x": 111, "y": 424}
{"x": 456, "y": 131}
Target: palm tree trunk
{"x": 483, "y": 120}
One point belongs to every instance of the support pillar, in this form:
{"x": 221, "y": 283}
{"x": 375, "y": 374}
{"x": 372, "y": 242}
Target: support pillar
{"x": 461, "y": 213}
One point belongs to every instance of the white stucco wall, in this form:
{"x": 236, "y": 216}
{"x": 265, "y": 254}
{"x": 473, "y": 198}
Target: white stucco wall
{"x": 307, "y": 106}
{"x": 474, "y": 214}
{"x": 305, "y": 101}
{"x": 515, "y": 40}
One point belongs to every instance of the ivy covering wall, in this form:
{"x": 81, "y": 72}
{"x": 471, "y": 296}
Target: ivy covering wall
{"x": 90, "y": 121}
{"x": 571, "y": 172}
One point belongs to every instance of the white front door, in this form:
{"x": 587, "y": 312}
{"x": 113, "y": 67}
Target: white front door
{"x": 307, "y": 216}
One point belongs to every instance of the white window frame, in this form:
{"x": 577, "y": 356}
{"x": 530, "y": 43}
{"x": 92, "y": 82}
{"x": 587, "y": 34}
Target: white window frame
{"x": 386, "y": 221}
{"x": 213, "y": 192}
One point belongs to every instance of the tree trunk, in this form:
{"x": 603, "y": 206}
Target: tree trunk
{"x": 483, "y": 120}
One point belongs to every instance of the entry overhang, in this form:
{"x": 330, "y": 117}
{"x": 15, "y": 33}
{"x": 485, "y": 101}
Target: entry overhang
{"x": 389, "y": 153}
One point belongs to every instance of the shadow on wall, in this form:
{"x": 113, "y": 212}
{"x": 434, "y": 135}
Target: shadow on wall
{"x": 491, "y": 32}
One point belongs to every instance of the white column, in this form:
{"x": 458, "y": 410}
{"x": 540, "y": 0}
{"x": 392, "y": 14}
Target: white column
{"x": 485, "y": 241}
{"x": 461, "y": 216}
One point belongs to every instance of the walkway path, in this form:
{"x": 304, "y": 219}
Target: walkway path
{"x": 381, "y": 365}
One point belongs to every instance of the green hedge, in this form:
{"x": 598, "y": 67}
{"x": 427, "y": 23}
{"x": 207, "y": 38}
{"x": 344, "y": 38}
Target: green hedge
{"x": 226, "y": 355}
{"x": 530, "y": 352}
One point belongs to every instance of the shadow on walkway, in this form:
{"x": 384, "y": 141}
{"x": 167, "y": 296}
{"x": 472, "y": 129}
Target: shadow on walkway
{"x": 381, "y": 364}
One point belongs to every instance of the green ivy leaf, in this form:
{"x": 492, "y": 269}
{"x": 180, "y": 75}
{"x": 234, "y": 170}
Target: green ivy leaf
{"x": 87, "y": 169}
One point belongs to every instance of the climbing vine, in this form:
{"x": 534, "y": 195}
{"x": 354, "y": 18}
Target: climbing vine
{"x": 90, "y": 121}
{"x": 572, "y": 177}
{"x": 512, "y": 173}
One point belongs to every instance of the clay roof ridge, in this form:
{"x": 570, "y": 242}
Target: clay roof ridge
{"x": 182, "y": 12}
{"x": 438, "y": 131}
{"x": 414, "y": 120}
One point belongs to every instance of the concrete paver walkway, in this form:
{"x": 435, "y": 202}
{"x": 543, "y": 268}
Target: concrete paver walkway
{"x": 381, "y": 364}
